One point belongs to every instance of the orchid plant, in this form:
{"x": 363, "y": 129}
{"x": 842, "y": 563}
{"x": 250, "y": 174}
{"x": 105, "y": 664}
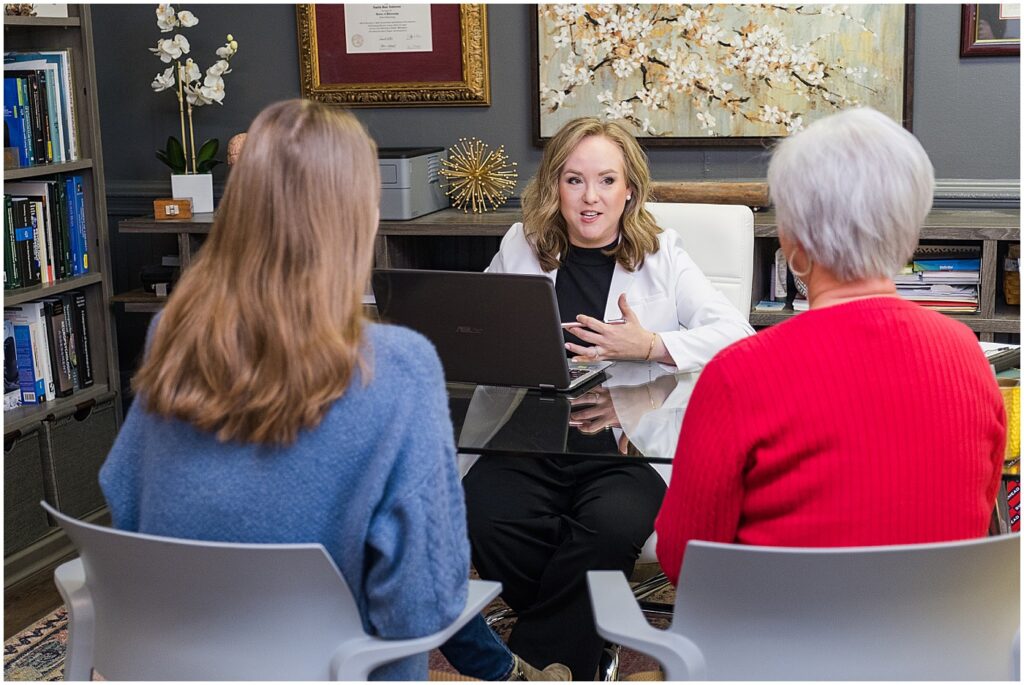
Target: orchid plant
{"x": 193, "y": 89}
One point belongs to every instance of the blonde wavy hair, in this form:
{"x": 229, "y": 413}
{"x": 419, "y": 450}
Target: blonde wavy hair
{"x": 263, "y": 331}
{"x": 545, "y": 227}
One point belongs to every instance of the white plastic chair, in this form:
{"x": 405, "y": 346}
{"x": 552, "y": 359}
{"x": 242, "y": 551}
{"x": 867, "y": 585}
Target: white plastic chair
{"x": 946, "y": 611}
{"x": 143, "y": 607}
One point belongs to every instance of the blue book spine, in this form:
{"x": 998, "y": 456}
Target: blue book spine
{"x": 25, "y": 106}
{"x": 71, "y": 207}
{"x": 13, "y": 121}
{"x": 83, "y": 229}
{"x": 947, "y": 265}
{"x": 33, "y": 388}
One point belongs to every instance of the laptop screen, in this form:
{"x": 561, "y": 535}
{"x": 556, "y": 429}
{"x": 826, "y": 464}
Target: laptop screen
{"x": 492, "y": 329}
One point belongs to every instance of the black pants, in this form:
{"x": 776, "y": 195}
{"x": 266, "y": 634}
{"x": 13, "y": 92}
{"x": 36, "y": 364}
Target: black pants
{"x": 538, "y": 525}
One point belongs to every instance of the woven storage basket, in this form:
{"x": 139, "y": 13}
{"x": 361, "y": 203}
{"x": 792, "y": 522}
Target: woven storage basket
{"x": 24, "y": 520}
{"x": 75, "y": 445}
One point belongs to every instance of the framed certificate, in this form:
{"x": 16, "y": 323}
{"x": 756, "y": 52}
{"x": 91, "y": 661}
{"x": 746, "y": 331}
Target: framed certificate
{"x": 394, "y": 55}
{"x": 990, "y": 30}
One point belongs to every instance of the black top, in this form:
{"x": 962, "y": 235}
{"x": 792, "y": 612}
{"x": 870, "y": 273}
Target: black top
{"x": 582, "y": 285}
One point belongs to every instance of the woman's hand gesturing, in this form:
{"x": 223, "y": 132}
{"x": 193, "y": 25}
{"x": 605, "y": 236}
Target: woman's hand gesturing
{"x": 625, "y": 339}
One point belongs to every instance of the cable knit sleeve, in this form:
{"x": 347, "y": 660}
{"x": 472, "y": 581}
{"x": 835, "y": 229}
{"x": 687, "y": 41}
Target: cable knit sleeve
{"x": 417, "y": 546}
{"x": 704, "y": 495}
{"x": 119, "y": 476}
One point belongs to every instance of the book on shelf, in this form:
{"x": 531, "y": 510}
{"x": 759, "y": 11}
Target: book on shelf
{"x": 32, "y": 316}
{"x": 75, "y": 306}
{"x": 947, "y": 264}
{"x": 945, "y": 278}
{"x": 41, "y": 117}
{"x": 15, "y": 121}
{"x": 51, "y": 215}
{"x": 946, "y": 251}
{"x": 30, "y": 374}
{"x": 51, "y": 344}
{"x": 12, "y": 385}
{"x": 769, "y": 306}
{"x": 59, "y": 339}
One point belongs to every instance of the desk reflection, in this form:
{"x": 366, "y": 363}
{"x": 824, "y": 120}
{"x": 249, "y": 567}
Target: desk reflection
{"x": 635, "y": 413}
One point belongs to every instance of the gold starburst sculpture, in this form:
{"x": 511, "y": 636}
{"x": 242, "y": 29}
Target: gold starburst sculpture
{"x": 478, "y": 178}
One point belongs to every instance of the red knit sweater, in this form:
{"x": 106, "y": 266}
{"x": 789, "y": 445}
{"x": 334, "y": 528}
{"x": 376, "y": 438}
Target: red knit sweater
{"x": 873, "y": 422}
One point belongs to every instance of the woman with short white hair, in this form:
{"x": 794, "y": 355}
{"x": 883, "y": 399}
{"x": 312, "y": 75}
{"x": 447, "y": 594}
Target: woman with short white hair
{"x": 867, "y": 420}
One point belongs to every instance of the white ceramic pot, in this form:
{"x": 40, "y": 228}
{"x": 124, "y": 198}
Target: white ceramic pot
{"x": 198, "y": 187}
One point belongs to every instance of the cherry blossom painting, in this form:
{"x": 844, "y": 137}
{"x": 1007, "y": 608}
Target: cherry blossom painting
{"x": 688, "y": 74}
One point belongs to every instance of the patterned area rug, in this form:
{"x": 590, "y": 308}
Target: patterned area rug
{"x": 37, "y": 653}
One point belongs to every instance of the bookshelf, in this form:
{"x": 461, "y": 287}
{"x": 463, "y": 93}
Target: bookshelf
{"x": 54, "y": 449}
{"x": 992, "y": 229}
{"x": 416, "y": 243}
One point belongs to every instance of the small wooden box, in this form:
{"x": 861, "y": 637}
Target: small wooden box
{"x": 172, "y": 209}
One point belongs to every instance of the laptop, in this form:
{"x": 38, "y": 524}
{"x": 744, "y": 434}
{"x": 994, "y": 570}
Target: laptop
{"x": 490, "y": 329}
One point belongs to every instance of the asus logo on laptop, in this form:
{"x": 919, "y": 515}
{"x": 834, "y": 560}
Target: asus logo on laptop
{"x": 468, "y": 329}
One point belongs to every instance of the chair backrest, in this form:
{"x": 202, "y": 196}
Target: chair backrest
{"x": 170, "y": 609}
{"x": 720, "y": 239}
{"x": 947, "y": 611}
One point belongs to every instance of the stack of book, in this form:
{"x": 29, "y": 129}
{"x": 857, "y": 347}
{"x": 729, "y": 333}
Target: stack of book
{"x": 46, "y": 350}
{"x": 943, "y": 278}
{"x": 39, "y": 107}
{"x": 45, "y": 231}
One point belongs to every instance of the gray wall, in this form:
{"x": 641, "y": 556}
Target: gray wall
{"x": 966, "y": 112}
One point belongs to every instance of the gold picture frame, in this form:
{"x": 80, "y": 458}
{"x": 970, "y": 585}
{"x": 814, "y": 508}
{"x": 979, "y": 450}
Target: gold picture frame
{"x": 455, "y": 73}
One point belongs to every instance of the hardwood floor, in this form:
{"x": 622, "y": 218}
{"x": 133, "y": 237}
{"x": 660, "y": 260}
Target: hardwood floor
{"x": 31, "y": 599}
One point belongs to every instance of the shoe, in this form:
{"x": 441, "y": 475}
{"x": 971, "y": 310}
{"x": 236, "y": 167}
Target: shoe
{"x": 524, "y": 671}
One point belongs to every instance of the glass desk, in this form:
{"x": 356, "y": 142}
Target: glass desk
{"x": 634, "y": 413}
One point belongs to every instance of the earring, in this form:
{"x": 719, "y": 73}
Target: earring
{"x": 800, "y": 274}
{"x": 628, "y": 198}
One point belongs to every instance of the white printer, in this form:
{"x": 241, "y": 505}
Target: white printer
{"x": 410, "y": 181}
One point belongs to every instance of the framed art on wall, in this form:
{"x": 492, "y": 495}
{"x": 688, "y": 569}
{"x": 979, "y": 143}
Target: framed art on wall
{"x": 989, "y": 30}
{"x": 717, "y": 74}
{"x": 394, "y": 55}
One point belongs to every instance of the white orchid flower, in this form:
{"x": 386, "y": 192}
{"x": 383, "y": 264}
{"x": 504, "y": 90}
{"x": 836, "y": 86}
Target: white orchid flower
{"x": 195, "y": 97}
{"x": 167, "y": 50}
{"x": 166, "y": 20}
{"x": 215, "y": 92}
{"x": 225, "y": 52}
{"x": 163, "y": 81}
{"x": 182, "y": 43}
{"x": 187, "y": 18}
{"x": 192, "y": 72}
{"x": 219, "y": 68}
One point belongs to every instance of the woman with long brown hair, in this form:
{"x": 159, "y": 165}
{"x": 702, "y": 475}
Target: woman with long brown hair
{"x": 269, "y": 410}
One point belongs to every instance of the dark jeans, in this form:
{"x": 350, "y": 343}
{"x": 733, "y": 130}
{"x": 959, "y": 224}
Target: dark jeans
{"x": 478, "y": 652}
{"x": 538, "y": 525}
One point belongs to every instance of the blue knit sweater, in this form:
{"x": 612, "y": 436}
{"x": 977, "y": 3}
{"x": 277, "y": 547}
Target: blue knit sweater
{"x": 375, "y": 483}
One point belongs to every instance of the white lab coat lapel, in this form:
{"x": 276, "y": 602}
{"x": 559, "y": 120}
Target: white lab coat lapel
{"x": 621, "y": 280}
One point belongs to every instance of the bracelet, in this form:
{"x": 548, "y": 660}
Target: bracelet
{"x": 650, "y": 350}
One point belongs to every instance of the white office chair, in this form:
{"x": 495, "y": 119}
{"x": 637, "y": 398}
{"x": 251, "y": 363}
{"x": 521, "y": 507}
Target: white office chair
{"x": 720, "y": 240}
{"x": 143, "y": 607}
{"x": 946, "y": 611}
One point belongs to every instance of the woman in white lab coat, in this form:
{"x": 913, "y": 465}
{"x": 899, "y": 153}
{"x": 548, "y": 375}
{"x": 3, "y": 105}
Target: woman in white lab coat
{"x": 538, "y": 525}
